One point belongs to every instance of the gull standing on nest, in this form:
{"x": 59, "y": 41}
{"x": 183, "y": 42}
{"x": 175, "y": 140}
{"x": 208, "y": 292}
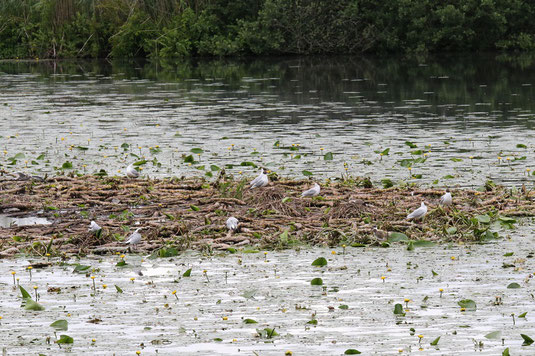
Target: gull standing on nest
{"x": 260, "y": 181}
{"x": 94, "y": 227}
{"x": 419, "y": 213}
{"x": 312, "y": 192}
{"x": 232, "y": 224}
{"x": 446, "y": 199}
{"x": 135, "y": 238}
{"x": 131, "y": 172}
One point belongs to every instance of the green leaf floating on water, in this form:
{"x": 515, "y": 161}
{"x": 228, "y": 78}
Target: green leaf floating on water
{"x": 468, "y": 304}
{"x": 435, "y": 342}
{"x": 121, "y": 263}
{"x": 508, "y": 254}
{"x": 187, "y": 273}
{"x": 484, "y": 219}
{"x": 31, "y": 305}
{"x": 60, "y": 325}
{"x": 320, "y": 262}
{"x": 67, "y": 165}
{"x": 313, "y": 322}
{"x": 496, "y": 335}
{"x": 328, "y": 156}
{"x": 397, "y": 236}
{"x": 24, "y": 293}
{"x": 250, "y": 321}
{"x": 527, "y": 340}
{"x": 119, "y": 290}
{"x": 513, "y": 285}
{"x": 343, "y": 307}
{"x": 306, "y": 173}
{"x": 266, "y": 333}
{"x": 398, "y": 309}
{"x": 523, "y": 315}
{"x": 352, "y": 352}
{"x": 316, "y": 282}
{"x": 197, "y": 150}
{"x": 78, "y": 268}
{"x": 65, "y": 339}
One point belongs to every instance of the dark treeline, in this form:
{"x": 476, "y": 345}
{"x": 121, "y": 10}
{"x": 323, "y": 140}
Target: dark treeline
{"x": 178, "y": 28}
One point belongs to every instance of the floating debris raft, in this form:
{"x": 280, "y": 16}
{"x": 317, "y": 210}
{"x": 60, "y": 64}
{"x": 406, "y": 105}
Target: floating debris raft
{"x": 191, "y": 214}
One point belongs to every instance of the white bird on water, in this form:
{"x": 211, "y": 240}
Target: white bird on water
{"x": 131, "y": 172}
{"x": 446, "y": 199}
{"x": 418, "y": 213}
{"x": 135, "y": 238}
{"x": 260, "y": 181}
{"x": 312, "y": 192}
{"x": 232, "y": 223}
{"x": 94, "y": 227}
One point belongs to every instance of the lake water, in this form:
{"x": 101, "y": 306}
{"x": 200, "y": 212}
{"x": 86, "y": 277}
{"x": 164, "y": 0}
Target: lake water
{"x": 206, "y": 317}
{"x": 461, "y": 113}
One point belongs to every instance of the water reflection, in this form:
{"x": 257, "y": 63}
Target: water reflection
{"x": 351, "y": 106}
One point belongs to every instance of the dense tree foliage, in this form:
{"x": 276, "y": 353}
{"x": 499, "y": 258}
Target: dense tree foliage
{"x": 177, "y": 28}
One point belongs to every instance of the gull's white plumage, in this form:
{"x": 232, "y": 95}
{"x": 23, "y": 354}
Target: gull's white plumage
{"x": 135, "y": 238}
{"x": 131, "y": 172}
{"x": 418, "y": 213}
{"x": 446, "y": 199}
{"x": 93, "y": 227}
{"x": 312, "y": 192}
{"x": 232, "y": 223}
{"x": 260, "y": 181}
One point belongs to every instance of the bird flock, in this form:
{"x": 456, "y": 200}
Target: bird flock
{"x": 262, "y": 180}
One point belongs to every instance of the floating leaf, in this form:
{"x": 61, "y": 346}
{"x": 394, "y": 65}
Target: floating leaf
{"x": 513, "y": 285}
{"x": 24, "y": 293}
{"x": 398, "y": 309}
{"x": 508, "y": 254}
{"x": 456, "y": 159}
{"x": 121, "y": 263}
{"x": 194, "y": 208}
{"x": 248, "y": 164}
{"x": 197, "y": 150}
{"x": 316, "y": 282}
{"x": 521, "y": 145}
{"x": 410, "y": 144}
{"x": 313, "y": 322}
{"x": 484, "y": 219}
{"x": 60, "y": 325}
{"x": 306, "y": 173}
{"x": 266, "y": 333}
{"x": 67, "y": 165}
{"x": 352, "y": 352}
{"x": 435, "y": 342}
{"x": 527, "y": 340}
{"x": 250, "y": 321}
{"x": 78, "y": 268}
{"x": 506, "y": 352}
{"x": 187, "y": 273}
{"x": 523, "y": 315}
{"x": 343, "y": 307}
{"x": 451, "y": 230}
{"x": 320, "y": 261}
{"x": 119, "y": 290}
{"x": 214, "y": 168}
{"x": 468, "y": 304}
{"x": 387, "y": 183}
{"x": 328, "y": 156}
{"x": 397, "y": 236}
{"x": 494, "y": 335}
{"x": 449, "y": 176}
{"x": 31, "y": 305}
{"x": 65, "y": 339}
{"x": 189, "y": 159}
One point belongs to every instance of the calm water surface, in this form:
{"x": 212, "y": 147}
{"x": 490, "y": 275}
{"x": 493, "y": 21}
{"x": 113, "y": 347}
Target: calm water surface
{"x": 461, "y": 114}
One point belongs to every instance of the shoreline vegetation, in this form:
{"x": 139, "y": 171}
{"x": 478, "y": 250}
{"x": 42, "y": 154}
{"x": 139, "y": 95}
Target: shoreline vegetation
{"x": 179, "y": 214}
{"x": 178, "y": 28}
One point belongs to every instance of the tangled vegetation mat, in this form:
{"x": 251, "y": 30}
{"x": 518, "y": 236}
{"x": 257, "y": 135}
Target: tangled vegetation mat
{"x": 180, "y": 214}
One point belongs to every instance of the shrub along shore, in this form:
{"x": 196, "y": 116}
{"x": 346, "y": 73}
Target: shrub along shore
{"x": 178, "y": 28}
{"x": 180, "y": 214}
